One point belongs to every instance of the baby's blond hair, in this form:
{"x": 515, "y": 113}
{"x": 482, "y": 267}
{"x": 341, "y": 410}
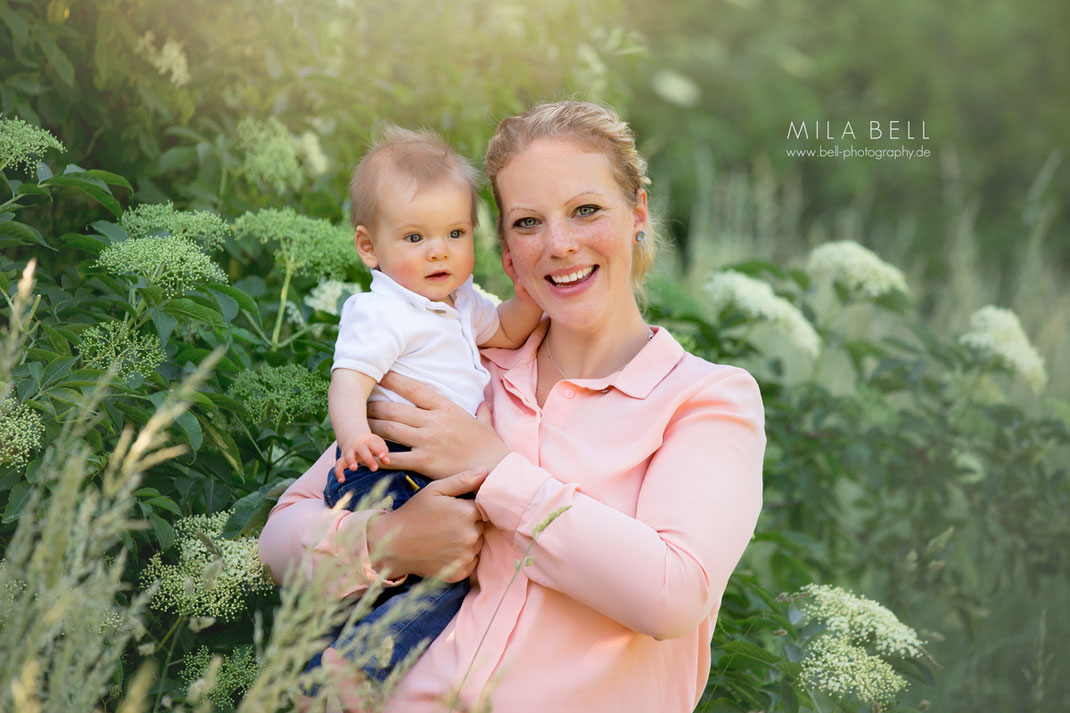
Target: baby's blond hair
{"x": 421, "y": 156}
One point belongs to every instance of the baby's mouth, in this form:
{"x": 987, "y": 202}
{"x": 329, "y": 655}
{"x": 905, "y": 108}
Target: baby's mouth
{"x": 573, "y": 278}
{"x": 438, "y": 275}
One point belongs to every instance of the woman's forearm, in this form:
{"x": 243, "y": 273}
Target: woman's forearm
{"x": 663, "y": 570}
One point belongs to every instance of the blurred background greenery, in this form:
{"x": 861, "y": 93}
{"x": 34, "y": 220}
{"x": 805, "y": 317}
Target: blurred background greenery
{"x": 238, "y": 105}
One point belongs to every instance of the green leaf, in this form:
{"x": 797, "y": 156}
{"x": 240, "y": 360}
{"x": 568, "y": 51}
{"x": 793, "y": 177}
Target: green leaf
{"x": 20, "y": 495}
{"x": 20, "y": 30}
{"x": 55, "y": 57}
{"x": 113, "y": 232}
{"x": 173, "y": 158}
{"x": 17, "y": 233}
{"x": 165, "y": 323}
{"x": 165, "y": 534}
{"x": 240, "y": 296}
{"x": 163, "y": 502}
{"x": 110, "y": 178}
{"x": 750, "y": 651}
{"x": 185, "y": 308}
{"x": 227, "y": 304}
{"x": 101, "y": 195}
{"x": 192, "y": 428}
{"x": 88, "y": 243}
{"x": 250, "y": 512}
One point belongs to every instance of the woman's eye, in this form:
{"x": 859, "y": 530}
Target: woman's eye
{"x": 525, "y": 223}
{"x": 587, "y": 210}
{"x": 456, "y": 234}
{"x": 413, "y": 237}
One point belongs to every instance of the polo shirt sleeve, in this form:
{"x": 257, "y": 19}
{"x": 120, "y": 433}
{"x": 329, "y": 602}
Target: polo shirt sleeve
{"x": 370, "y": 335}
{"x": 484, "y": 316}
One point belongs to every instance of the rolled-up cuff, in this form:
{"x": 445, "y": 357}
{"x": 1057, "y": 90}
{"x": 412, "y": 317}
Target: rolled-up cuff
{"x": 348, "y": 545}
{"x": 507, "y": 492}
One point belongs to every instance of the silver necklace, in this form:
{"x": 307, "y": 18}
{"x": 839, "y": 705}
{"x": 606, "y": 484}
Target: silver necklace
{"x": 649, "y": 336}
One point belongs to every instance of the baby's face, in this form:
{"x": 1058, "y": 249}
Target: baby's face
{"x": 423, "y": 237}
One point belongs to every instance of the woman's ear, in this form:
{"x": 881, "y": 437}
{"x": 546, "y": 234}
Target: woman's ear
{"x": 641, "y": 214}
{"x": 507, "y": 262}
{"x": 365, "y": 247}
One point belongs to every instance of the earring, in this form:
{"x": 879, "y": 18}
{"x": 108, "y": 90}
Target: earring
{"x": 639, "y": 236}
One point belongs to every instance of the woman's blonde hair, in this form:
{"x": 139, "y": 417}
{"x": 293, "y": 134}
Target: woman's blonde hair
{"x": 594, "y": 127}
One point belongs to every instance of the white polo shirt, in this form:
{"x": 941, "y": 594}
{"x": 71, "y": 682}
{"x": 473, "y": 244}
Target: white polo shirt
{"x": 392, "y": 328}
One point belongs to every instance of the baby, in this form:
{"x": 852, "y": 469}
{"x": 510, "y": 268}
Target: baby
{"x": 414, "y": 207}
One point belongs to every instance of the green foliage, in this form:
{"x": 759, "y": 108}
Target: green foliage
{"x": 21, "y": 144}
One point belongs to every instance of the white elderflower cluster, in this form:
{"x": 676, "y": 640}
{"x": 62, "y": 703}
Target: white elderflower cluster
{"x": 860, "y": 620}
{"x": 313, "y": 160}
{"x": 21, "y": 143}
{"x": 237, "y": 672}
{"x": 199, "y": 226}
{"x": 857, "y": 268}
{"x": 324, "y": 297}
{"x": 271, "y": 154}
{"x": 839, "y": 668}
{"x": 114, "y": 342}
{"x": 20, "y": 432}
{"x": 757, "y": 300}
{"x": 168, "y": 59}
{"x": 213, "y": 576}
{"x": 996, "y": 334}
{"x": 489, "y": 295}
{"x": 173, "y": 263}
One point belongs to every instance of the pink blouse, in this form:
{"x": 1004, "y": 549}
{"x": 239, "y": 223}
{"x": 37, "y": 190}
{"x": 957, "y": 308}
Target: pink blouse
{"x": 661, "y": 464}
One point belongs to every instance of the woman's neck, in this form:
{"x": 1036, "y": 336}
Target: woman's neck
{"x": 594, "y": 353}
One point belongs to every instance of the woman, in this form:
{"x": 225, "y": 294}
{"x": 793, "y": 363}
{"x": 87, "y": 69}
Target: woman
{"x": 656, "y": 454}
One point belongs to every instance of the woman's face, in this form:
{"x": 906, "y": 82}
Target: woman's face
{"x": 568, "y": 231}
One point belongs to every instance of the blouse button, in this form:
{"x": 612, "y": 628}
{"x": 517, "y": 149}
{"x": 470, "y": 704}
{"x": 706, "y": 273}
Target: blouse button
{"x": 569, "y": 394}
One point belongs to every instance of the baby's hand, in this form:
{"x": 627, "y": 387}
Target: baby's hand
{"x": 366, "y": 448}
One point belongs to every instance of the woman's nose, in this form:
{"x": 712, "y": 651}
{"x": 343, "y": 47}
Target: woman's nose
{"x": 561, "y": 239}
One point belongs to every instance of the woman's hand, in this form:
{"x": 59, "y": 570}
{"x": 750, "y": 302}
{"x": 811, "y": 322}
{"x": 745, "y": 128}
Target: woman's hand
{"x": 434, "y": 533}
{"x": 444, "y": 438}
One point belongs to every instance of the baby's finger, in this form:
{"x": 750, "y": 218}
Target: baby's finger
{"x": 339, "y": 471}
{"x": 366, "y": 457}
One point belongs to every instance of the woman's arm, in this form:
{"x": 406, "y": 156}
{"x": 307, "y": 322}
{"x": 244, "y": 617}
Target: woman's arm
{"x": 438, "y": 530}
{"x": 661, "y": 572}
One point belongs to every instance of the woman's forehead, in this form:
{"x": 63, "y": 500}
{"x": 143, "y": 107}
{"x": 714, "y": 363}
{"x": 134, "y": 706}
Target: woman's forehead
{"x": 557, "y": 167}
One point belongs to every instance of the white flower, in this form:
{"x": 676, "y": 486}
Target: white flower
{"x": 857, "y": 268}
{"x": 489, "y": 295}
{"x": 838, "y": 668}
{"x": 324, "y": 296}
{"x": 997, "y": 334}
{"x": 170, "y": 58}
{"x": 756, "y": 299}
{"x": 860, "y": 620}
{"x": 312, "y": 157}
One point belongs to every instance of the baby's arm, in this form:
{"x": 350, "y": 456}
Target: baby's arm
{"x": 347, "y": 405}
{"x": 517, "y": 318}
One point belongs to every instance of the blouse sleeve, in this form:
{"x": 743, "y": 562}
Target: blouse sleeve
{"x": 663, "y": 571}
{"x": 302, "y": 531}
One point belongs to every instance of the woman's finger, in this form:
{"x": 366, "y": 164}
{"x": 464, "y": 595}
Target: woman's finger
{"x": 421, "y": 395}
{"x": 393, "y": 431}
{"x": 400, "y": 413}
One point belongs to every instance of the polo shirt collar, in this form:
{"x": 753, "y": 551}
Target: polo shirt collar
{"x": 383, "y": 284}
{"x": 645, "y": 371}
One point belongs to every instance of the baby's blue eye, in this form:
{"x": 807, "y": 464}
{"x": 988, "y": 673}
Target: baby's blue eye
{"x": 587, "y": 210}
{"x": 414, "y": 237}
{"x": 455, "y": 234}
{"x": 525, "y": 223}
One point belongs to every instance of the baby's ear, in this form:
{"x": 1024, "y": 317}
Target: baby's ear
{"x": 365, "y": 247}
